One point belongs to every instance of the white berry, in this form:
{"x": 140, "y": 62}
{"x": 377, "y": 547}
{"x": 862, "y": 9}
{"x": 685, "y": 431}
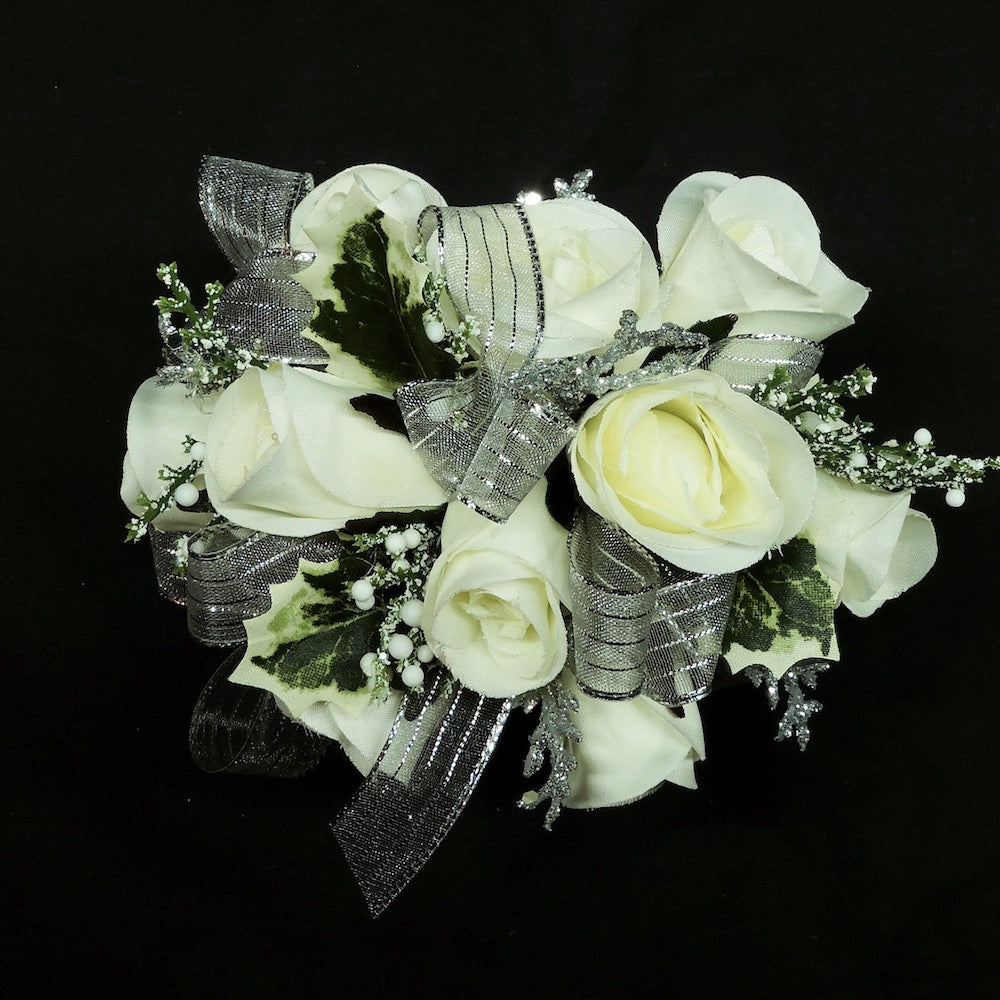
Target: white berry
{"x": 400, "y": 646}
{"x": 412, "y": 675}
{"x": 186, "y": 495}
{"x": 368, "y": 662}
{"x": 434, "y": 328}
{"x": 412, "y": 538}
{"x": 411, "y": 610}
{"x": 954, "y": 497}
{"x": 366, "y": 605}
{"x": 923, "y": 437}
{"x": 425, "y": 654}
{"x": 361, "y": 590}
{"x": 395, "y": 543}
{"x": 198, "y": 451}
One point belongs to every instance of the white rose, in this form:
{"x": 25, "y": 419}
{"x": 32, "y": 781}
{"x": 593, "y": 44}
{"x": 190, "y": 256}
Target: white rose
{"x": 750, "y": 247}
{"x": 492, "y": 607}
{"x": 869, "y": 542}
{"x": 595, "y": 264}
{"x": 321, "y": 219}
{"x": 287, "y": 453}
{"x": 159, "y": 419}
{"x": 629, "y": 748}
{"x": 695, "y": 471}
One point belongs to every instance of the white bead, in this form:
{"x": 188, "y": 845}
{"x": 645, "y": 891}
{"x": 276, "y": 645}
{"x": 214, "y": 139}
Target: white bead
{"x": 412, "y": 675}
{"x": 366, "y": 605}
{"x": 186, "y": 495}
{"x": 400, "y": 646}
{"x": 198, "y": 451}
{"x": 955, "y": 497}
{"x": 368, "y": 662}
{"x": 395, "y": 544}
{"x": 858, "y": 460}
{"x": 361, "y": 590}
{"x": 923, "y": 437}
{"x": 411, "y": 610}
{"x": 412, "y": 538}
{"x": 434, "y": 328}
{"x": 400, "y": 565}
{"x": 425, "y": 654}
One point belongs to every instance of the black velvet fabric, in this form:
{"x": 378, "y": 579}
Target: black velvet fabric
{"x": 866, "y": 867}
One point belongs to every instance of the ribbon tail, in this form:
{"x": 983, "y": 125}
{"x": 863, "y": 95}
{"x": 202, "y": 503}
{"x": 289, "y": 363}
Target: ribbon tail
{"x": 429, "y": 767}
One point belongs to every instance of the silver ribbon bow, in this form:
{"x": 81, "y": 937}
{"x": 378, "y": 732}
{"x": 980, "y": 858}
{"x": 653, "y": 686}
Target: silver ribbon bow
{"x": 248, "y": 208}
{"x": 484, "y": 438}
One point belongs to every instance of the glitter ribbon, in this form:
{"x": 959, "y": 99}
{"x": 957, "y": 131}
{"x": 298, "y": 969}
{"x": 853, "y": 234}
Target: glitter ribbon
{"x": 640, "y": 625}
{"x": 484, "y": 438}
{"x": 428, "y": 769}
{"x": 248, "y": 208}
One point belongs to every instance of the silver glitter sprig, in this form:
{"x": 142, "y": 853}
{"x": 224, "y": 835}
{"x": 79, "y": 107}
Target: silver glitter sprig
{"x": 670, "y": 349}
{"x": 799, "y": 709}
{"x": 553, "y": 736}
{"x": 577, "y": 187}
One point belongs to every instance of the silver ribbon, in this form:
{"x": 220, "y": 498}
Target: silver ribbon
{"x": 428, "y": 769}
{"x": 640, "y": 625}
{"x": 483, "y": 438}
{"x": 230, "y": 570}
{"x": 248, "y": 208}
{"x": 747, "y": 359}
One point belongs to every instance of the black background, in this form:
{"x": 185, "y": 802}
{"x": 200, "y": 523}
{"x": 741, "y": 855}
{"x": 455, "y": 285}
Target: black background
{"x": 865, "y": 867}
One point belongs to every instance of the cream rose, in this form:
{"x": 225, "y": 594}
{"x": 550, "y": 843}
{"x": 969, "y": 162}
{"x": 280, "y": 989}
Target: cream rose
{"x": 868, "y": 542}
{"x": 750, "y": 247}
{"x": 492, "y": 607}
{"x": 287, "y": 453}
{"x": 159, "y": 419}
{"x": 629, "y": 748}
{"x": 595, "y": 264}
{"x": 695, "y": 471}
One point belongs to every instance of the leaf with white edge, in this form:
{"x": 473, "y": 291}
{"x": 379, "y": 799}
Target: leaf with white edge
{"x": 375, "y": 313}
{"x": 782, "y": 612}
{"x": 307, "y": 648}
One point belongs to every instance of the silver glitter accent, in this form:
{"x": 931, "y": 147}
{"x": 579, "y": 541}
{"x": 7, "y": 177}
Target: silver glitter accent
{"x": 553, "y": 737}
{"x": 427, "y": 771}
{"x": 576, "y": 188}
{"x": 799, "y": 709}
{"x": 229, "y": 573}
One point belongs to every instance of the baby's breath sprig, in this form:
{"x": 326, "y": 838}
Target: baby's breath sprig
{"x": 844, "y": 447}
{"x": 197, "y": 352}
{"x": 179, "y": 489}
{"x": 399, "y": 559}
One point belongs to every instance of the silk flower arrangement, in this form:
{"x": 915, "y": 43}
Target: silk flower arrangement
{"x": 423, "y": 466}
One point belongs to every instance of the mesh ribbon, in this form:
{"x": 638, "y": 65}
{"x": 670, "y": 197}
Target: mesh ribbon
{"x": 641, "y": 625}
{"x": 744, "y": 360}
{"x": 428, "y": 769}
{"x": 248, "y": 208}
{"x": 240, "y": 730}
{"x": 230, "y": 570}
{"x": 169, "y": 581}
{"x": 483, "y": 438}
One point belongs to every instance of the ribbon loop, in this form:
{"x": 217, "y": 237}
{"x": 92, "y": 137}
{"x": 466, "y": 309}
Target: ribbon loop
{"x": 747, "y": 359}
{"x": 229, "y": 573}
{"x": 640, "y": 625}
{"x": 428, "y": 769}
{"x": 240, "y": 730}
{"x": 485, "y": 438}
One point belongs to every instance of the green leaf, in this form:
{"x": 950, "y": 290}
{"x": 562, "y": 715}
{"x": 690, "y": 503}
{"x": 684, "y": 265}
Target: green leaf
{"x": 382, "y": 409}
{"x": 329, "y": 657}
{"x": 716, "y": 329}
{"x": 379, "y": 317}
{"x": 784, "y": 596}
